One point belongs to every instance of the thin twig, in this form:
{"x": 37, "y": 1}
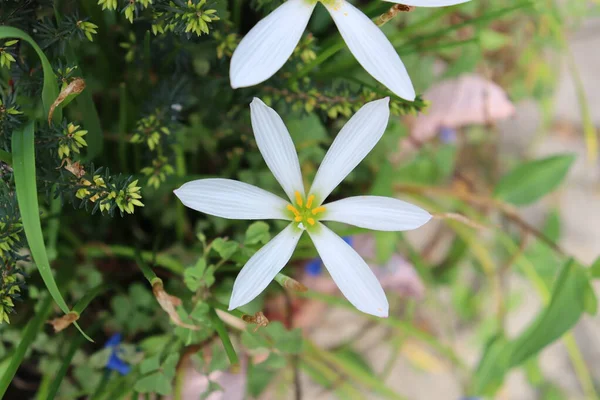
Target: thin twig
{"x": 486, "y": 202}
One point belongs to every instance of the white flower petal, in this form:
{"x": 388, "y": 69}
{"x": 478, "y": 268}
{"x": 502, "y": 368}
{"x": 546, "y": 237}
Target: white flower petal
{"x": 377, "y": 213}
{"x": 276, "y": 147}
{"x": 371, "y": 48}
{"x": 350, "y": 272}
{"x": 260, "y": 270}
{"x": 227, "y": 198}
{"x": 268, "y": 45}
{"x": 356, "y": 139}
{"x": 428, "y": 3}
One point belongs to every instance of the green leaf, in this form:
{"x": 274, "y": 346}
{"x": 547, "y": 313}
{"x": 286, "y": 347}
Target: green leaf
{"x": 225, "y": 248}
{"x": 532, "y": 180}
{"x": 274, "y": 361}
{"x": 571, "y": 293}
{"x": 154, "y": 383}
{"x": 28, "y": 335}
{"x": 258, "y": 378}
{"x": 256, "y": 233}
{"x": 150, "y": 364}
{"x": 218, "y": 361}
{"x": 307, "y": 131}
{"x": 283, "y": 340}
{"x": 88, "y": 378}
{"x": 50, "y": 87}
{"x": 492, "y": 367}
{"x": 253, "y": 340}
{"x": 192, "y": 277}
{"x": 26, "y": 188}
{"x": 170, "y": 364}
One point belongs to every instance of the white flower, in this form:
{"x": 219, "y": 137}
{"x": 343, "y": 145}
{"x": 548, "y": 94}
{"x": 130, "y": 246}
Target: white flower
{"x": 236, "y": 200}
{"x": 264, "y": 50}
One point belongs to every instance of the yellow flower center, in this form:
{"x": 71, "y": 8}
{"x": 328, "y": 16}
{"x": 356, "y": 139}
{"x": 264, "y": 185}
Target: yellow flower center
{"x": 303, "y": 211}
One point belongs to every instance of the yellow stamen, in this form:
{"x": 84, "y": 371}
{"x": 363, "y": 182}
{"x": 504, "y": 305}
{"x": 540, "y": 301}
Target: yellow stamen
{"x": 298, "y": 218}
{"x": 298, "y": 198}
{"x": 318, "y": 210}
{"x": 310, "y": 221}
{"x": 293, "y": 209}
{"x": 310, "y": 201}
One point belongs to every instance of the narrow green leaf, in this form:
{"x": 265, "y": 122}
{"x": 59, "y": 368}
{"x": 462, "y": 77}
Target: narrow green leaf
{"x": 532, "y": 180}
{"x": 50, "y": 87}
{"x": 26, "y": 188}
{"x": 89, "y": 296}
{"x": 570, "y": 294}
{"x": 492, "y": 368}
{"x": 27, "y": 337}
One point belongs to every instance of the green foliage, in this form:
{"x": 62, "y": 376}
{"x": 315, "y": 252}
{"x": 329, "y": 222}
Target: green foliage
{"x": 571, "y": 296}
{"x": 531, "y": 181}
{"x": 157, "y": 375}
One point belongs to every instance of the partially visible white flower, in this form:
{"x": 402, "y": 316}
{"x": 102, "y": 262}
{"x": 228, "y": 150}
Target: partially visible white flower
{"x": 264, "y": 50}
{"x": 236, "y": 200}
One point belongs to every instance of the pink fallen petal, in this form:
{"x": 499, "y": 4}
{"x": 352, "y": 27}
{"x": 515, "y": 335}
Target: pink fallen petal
{"x": 454, "y": 103}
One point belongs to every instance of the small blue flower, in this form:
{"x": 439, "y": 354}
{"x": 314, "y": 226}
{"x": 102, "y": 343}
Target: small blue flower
{"x": 447, "y": 135}
{"x": 114, "y": 362}
{"x": 315, "y": 266}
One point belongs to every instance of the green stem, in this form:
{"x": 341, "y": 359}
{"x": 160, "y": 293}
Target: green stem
{"x": 90, "y": 295}
{"x": 338, "y": 44}
{"x": 146, "y": 270}
{"x": 222, "y": 332}
{"x": 75, "y": 344}
{"x": 161, "y": 260}
{"x": 355, "y": 373}
{"x": 589, "y": 130}
{"x": 402, "y": 326}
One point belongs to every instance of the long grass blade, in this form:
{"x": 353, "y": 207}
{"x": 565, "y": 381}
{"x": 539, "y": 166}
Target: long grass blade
{"x": 28, "y": 336}
{"x": 26, "y": 188}
{"x": 50, "y": 87}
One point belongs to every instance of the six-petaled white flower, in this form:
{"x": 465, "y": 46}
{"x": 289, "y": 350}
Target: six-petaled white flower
{"x": 237, "y": 200}
{"x": 264, "y": 50}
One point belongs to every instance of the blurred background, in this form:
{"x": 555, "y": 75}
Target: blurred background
{"x": 494, "y": 298}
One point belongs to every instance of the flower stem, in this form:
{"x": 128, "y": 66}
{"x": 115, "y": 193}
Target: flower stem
{"x": 222, "y": 332}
